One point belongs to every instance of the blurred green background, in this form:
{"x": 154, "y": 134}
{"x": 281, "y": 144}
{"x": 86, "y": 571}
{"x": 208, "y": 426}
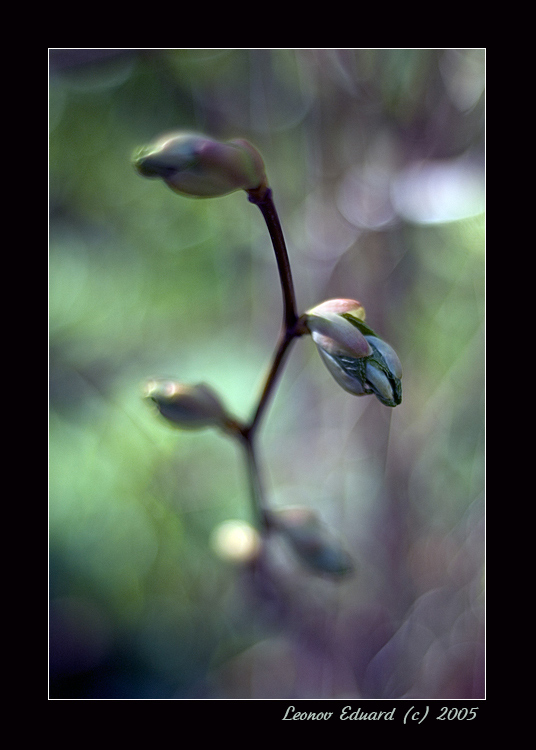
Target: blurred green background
{"x": 376, "y": 160}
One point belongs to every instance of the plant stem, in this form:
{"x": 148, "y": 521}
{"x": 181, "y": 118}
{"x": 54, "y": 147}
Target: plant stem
{"x": 292, "y": 327}
{"x": 265, "y": 203}
{"x": 255, "y": 484}
{"x": 286, "y": 338}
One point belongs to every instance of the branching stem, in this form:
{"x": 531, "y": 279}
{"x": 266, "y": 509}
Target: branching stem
{"x": 292, "y": 326}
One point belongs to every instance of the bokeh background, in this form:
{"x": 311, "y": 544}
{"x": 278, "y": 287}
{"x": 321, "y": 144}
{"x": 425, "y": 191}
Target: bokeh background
{"x": 376, "y": 160}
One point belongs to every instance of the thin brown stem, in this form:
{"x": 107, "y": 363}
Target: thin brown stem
{"x": 286, "y": 338}
{"x": 292, "y": 327}
{"x": 256, "y": 491}
{"x": 263, "y": 199}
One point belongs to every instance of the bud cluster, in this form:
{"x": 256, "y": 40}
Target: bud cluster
{"x": 359, "y": 360}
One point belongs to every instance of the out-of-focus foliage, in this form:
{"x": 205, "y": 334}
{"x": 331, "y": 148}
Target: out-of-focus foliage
{"x": 375, "y": 158}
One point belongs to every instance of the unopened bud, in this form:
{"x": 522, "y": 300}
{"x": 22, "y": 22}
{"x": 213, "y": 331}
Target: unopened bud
{"x": 360, "y": 361}
{"x": 335, "y": 333}
{"x": 187, "y": 406}
{"x": 201, "y": 167}
{"x": 311, "y": 541}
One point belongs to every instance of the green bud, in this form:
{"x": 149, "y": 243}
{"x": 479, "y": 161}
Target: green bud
{"x": 360, "y": 361}
{"x": 311, "y": 541}
{"x": 187, "y": 406}
{"x": 369, "y": 375}
{"x": 201, "y": 167}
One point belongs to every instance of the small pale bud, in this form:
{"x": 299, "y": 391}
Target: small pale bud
{"x": 186, "y": 406}
{"x": 236, "y": 541}
{"x": 311, "y": 541}
{"x": 201, "y": 167}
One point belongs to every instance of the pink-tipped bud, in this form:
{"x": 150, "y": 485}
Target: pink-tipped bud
{"x": 339, "y": 306}
{"x": 333, "y": 332}
{"x": 360, "y": 361}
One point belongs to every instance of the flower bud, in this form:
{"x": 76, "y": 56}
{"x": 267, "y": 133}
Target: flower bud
{"x": 311, "y": 541}
{"x": 201, "y": 167}
{"x": 186, "y": 406}
{"x": 360, "y": 361}
{"x": 335, "y": 333}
